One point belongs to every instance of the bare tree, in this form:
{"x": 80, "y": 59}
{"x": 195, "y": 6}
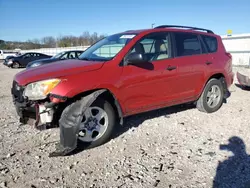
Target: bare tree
{"x": 84, "y": 39}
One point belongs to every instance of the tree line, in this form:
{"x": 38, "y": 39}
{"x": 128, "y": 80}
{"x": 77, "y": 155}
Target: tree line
{"x": 85, "y": 39}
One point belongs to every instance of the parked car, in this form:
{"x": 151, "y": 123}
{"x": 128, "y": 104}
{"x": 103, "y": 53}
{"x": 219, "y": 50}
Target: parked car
{"x": 73, "y": 54}
{"x": 24, "y": 59}
{"x": 125, "y": 74}
{"x": 4, "y": 54}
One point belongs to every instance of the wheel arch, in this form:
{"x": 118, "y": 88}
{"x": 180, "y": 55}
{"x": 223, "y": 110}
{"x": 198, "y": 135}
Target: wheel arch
{"x": 219, "y": 76}
{"x": 106, "y": 95}
{"x": 16, "y": 61}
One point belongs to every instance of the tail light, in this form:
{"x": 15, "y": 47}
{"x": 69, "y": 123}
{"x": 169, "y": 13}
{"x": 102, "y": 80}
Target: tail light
{"x": 230, "y": 63}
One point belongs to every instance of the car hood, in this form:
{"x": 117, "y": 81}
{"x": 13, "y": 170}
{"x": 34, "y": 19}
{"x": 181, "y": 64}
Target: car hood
{"x": 42, "y": 61}
{"x": 56, "y": 70}
{"x": 9, "y": 57}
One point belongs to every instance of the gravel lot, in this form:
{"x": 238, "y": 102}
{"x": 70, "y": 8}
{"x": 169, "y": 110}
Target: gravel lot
{"x": 172, "y": 147}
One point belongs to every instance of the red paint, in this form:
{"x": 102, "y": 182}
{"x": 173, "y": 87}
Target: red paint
{"x": 137, "y": 89}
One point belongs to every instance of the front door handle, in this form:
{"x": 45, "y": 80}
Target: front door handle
{"x": 171, "y": 68}
{"x": 208, "y": 62}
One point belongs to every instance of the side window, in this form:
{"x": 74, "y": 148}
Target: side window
{"x": 148, "y": 45}
{"x": 210, "y": 42}
{"x": 65, "y": 56}
{"x": 187, "y": 44}
{"x": 153, "y": 47}
{"x": 27, "y": 55}
{"x": 78, "y": 54}
{"x": 72, "y": 55}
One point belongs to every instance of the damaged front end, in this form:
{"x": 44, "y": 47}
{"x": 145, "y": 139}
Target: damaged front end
{"x": 38, "y": 113}
{"x": 243, "y": 80}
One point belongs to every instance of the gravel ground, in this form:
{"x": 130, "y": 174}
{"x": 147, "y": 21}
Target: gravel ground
{"x": 172, "y": 147}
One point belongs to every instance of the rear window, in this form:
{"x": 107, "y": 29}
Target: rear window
{"x": 187, "y": 44}
{"x": 210, "y": 42}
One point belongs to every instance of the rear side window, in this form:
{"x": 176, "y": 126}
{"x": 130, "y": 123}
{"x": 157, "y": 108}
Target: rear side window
{"x": 210, "y": 42}
{"x": 187, "y": 44}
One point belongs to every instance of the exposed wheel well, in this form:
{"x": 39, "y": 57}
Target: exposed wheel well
{"x": 111, "y": 98}
{"x": 218, "y": 76}
{"x": 107, "y": 95}
{"x": 221, "y": 77}
{"x": 17, "y": 63}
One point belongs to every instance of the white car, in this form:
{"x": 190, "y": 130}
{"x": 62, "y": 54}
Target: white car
{"x": 4, "y": 54}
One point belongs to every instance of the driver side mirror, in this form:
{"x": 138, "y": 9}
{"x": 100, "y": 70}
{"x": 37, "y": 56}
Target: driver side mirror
{"x": 135, "y": 58}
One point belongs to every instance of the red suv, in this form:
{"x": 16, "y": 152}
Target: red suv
{"x": 124, "y": 74}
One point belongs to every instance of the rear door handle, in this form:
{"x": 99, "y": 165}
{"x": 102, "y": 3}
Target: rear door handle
{"x": 208, "y": 62}
{"x": 171, "y": 68}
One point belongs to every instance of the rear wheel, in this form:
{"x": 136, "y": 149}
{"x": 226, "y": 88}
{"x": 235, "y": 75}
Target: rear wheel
{"x": 211, "y": 98}
{"x": 15, "y": 65}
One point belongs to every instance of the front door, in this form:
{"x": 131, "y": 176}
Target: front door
{"x": 148, "y": 85}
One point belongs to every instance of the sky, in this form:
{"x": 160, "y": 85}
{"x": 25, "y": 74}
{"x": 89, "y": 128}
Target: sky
{"x": 21, "y": 20}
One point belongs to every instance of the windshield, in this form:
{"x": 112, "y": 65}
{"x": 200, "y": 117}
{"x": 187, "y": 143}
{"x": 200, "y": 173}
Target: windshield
{"x": 107, "y": 48}
{"x": 57, "y": 55}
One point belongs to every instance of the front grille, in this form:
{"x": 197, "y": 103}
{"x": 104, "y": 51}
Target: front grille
{"x": 17, "y": 92}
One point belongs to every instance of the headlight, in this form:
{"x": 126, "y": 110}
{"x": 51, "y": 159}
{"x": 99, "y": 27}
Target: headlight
{"x": 39, "y": 90}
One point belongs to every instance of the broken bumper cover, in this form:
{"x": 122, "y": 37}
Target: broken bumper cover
{"x": 243, "y": 80}
{"x": 23, "y": 107}
{"x": 25, "y": 112}
{"x": 39, "y": 113}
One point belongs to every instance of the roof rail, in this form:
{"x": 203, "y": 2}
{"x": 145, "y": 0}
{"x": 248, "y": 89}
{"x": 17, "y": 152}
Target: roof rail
{"x": 188, "y": 27}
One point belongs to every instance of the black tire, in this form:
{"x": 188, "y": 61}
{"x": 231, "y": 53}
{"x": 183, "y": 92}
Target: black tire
{"x": 202, "y": 104}
{"x": 15, "y": 65}
{"x": 107, "y": 107}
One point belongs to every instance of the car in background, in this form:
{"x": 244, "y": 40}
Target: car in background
{"x": 23, "y": 60}
{"x": 4, "y": 54}
{"x": 11, "y": 56}
{"x": 72, "y": 54}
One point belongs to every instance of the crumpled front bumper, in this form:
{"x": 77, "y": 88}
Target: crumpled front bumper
{"x": 24, "y": 108}
{"x": 38, "y": 114}
{"x": 243, "y": 79}
{"x": 8, "y": 63}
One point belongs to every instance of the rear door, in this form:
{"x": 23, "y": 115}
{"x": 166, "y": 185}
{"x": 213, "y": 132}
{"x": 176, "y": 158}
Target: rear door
{"x": 27, "y": 58}
{"x": 149, "y": 85}
{"x": 211, "y": 45}
{"x": 191, "y": 60}
{"x": 33, "y": 57}
{"x": 37, "y": 56}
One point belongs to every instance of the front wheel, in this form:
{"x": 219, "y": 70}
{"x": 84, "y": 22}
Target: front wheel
{"x": 97, "y": 124}
{"x": 211, "y": 98}
{"x": 15, "y": 65}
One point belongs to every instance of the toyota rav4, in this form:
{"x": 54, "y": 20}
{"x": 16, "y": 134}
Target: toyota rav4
{"x": 136, "y": 71}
